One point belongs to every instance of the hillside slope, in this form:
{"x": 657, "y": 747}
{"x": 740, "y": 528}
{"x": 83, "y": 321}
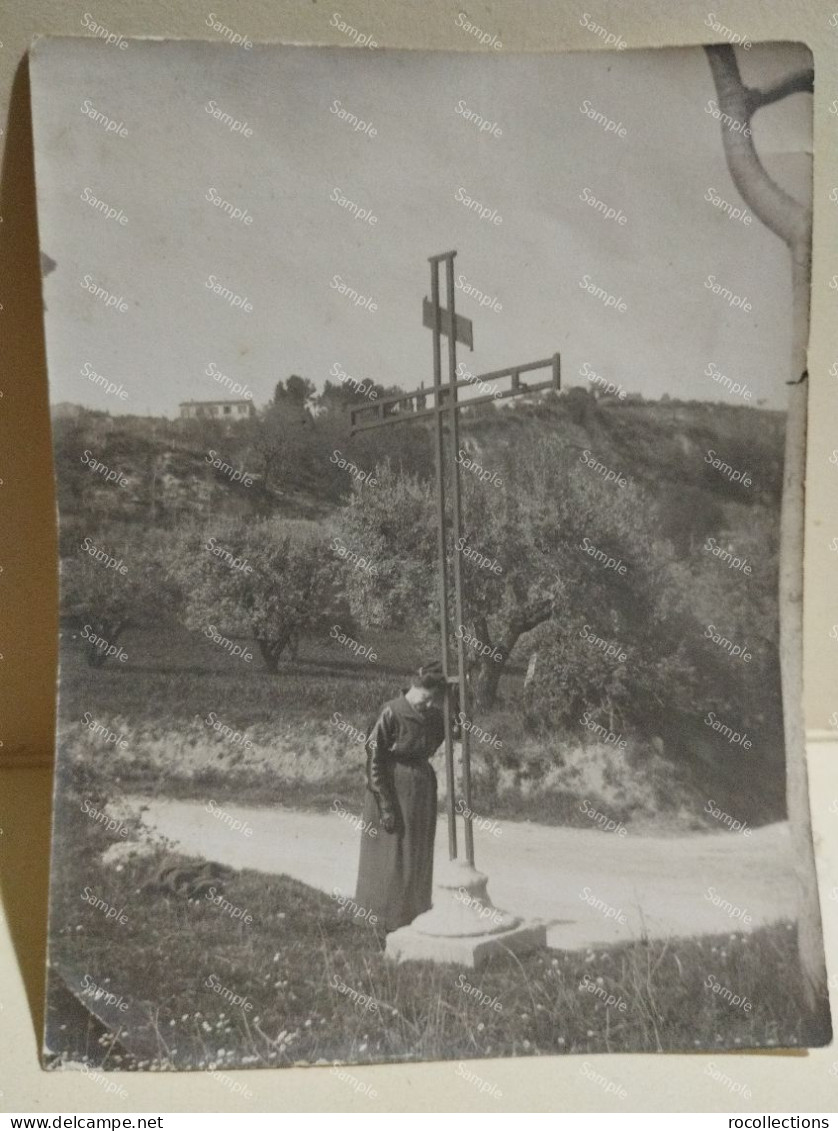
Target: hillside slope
{"x": 169, "y": 475}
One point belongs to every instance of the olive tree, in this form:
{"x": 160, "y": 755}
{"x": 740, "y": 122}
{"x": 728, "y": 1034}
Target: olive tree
{"x": 111, "y": 585}
{"x": 270, "y": 579}
{"x": 523, "y": 550}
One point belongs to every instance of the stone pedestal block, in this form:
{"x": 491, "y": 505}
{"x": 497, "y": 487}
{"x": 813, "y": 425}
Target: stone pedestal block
{"x": 463, "y": 925}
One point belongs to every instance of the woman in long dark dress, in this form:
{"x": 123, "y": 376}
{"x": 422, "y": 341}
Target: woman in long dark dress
{"x": 395, "y": 870}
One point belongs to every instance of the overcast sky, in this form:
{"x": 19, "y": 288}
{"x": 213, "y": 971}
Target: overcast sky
{"x": 408, "y": 175}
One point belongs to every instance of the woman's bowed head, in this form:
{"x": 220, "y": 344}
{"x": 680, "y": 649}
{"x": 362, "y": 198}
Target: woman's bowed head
{"x": 395, "y": 870}
{"x": 427, "y": 687}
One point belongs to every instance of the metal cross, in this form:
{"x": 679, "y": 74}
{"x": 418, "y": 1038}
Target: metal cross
{"x": 410, "y": 407}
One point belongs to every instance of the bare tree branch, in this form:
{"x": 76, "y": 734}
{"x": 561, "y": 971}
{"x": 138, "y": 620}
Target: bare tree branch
{"x": 801, "y": 82}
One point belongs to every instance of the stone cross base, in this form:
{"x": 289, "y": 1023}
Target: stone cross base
{"x": 463, "y": 925}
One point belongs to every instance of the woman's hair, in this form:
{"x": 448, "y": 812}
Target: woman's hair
{"x": 429, "y": 677}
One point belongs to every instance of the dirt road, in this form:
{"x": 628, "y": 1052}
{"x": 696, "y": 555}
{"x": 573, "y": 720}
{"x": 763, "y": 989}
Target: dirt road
{"x": 660, "y": 886}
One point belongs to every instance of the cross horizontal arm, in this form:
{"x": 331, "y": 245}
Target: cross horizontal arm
{"x": 380, "y": 421}
{"x": 386, "y": 411}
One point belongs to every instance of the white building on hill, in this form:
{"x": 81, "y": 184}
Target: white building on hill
{"x": 218, "y": 410}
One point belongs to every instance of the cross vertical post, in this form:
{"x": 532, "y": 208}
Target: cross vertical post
{"x": 442, "y": 573}
{"x": 457, "y": 526}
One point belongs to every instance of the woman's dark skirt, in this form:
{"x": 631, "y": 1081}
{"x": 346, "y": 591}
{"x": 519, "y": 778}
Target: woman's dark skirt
{"x": 395, "y": 871}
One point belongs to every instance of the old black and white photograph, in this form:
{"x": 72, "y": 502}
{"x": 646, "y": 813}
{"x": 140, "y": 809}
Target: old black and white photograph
{"x": 429, "y": 445}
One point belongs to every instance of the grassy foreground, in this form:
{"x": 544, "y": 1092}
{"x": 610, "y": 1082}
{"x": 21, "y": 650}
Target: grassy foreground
{"x": 301, "y": 965}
